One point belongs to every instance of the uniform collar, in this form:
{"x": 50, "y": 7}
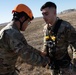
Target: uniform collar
{"x": 12, "y": 23}
{"x": 55, "y": 23}
{"x": 52, "y": 26}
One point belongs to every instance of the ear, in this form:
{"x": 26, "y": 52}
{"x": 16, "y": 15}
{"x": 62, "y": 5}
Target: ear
{"x": 22, "y": 19}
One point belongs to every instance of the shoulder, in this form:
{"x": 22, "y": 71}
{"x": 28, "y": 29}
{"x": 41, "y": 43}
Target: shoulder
{"x": 11, "y": 32}
{"x": 45, "y": 28}
{"x": 66, "y": 24}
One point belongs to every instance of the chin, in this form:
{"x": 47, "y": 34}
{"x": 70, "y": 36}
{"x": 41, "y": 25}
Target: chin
{"x": 47, "y": 23}
{"x": 22, "y": 29}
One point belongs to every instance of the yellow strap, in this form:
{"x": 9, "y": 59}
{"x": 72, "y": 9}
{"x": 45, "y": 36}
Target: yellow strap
{"x": 52, "y": 37}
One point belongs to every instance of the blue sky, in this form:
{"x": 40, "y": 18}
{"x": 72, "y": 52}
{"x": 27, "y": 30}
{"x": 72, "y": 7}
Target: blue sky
{"x": 6, "y": 7}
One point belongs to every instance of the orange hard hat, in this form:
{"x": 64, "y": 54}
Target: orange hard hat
{"x": 23, "y": 8}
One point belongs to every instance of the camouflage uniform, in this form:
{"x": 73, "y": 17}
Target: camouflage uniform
{"x": 12, "y": 45}
{"x": 66, "y": 35}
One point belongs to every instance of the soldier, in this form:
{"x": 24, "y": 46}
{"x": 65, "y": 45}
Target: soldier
{"x": 58, "y": 35}
{"x": 13, "y": 43}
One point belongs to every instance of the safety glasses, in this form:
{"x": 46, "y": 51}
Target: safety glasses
{"x": 29, "y": 23}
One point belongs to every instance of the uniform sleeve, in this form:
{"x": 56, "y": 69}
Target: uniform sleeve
{"x": 71, "y": 36}
{"x": 29, "y": 54}
{"x": 71, "y": 32}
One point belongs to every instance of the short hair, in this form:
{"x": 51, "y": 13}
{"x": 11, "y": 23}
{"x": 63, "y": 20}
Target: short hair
{"x": 48, "y": 4}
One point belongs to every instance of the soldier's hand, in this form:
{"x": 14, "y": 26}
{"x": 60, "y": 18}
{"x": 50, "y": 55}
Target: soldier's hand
{"x": 47, "y": 60}
{"x": 43, "y": 53}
